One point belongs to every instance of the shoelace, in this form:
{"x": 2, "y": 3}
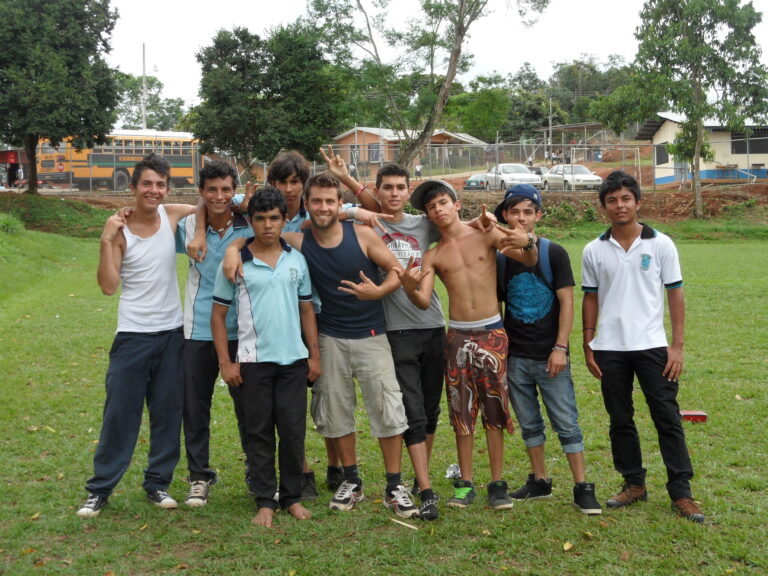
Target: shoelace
{"x": 162, "y": 495}
{"x": 92, "y": 502}
{"x": 345, "y": 491}
{"x": 400, "y": 495}
{"x": 198, "y": 489}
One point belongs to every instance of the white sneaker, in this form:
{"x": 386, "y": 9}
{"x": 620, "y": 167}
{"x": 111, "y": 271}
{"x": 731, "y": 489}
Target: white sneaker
{"x": 92, "y": 506}
{"x": 400, "y": 502}
{"x": 198, "y": 493}
{"x": 162, "y": 499}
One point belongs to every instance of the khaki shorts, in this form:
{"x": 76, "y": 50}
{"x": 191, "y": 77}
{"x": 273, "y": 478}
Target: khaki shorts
{"x": 334, "y": 398}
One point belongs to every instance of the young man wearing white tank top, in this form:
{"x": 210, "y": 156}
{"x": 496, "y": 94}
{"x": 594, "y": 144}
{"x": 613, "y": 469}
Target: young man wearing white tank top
{"x": 137, "y": 253}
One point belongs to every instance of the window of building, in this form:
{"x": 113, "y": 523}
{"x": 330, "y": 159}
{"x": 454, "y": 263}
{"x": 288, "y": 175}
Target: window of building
{"x": 662, "y": 156}
{"x": 755, "y": 143}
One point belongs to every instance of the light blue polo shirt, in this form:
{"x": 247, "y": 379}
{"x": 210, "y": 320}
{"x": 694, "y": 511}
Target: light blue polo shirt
{"x": 198, "y": 294}
{"x": 267, "y": 299}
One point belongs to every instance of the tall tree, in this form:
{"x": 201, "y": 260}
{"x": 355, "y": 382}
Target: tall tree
{"x": 162, "y": 113}
{"x": 259, "y": 95}
{"x": 54, "y": 81}
{"x": 698, "y": 58}
{"x": 432, "y": 44}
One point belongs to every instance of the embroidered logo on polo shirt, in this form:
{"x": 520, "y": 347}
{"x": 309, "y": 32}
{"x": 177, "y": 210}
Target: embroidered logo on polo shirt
{"x": 294, "y": 275}
{"x": 645, "y": 262}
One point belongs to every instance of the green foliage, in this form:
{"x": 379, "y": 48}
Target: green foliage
{"x": 260, "y": 95}
{"x": 58, "y": 215}
{"x": 162, "y": 113}
{"x": 54, "y": 81}
{"x": 9, "y": 224}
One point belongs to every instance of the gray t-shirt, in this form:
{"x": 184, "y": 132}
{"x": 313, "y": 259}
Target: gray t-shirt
{"x": 408, "y": 238}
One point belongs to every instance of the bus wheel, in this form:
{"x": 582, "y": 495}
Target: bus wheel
{"x": 120, "y": 181}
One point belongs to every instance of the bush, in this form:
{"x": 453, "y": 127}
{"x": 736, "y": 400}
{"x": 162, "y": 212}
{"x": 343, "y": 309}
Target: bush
{"x": 9, "y": 224}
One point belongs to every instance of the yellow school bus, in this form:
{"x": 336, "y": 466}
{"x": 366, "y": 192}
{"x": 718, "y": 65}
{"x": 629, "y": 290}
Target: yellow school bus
{"x": 111, "y": 165}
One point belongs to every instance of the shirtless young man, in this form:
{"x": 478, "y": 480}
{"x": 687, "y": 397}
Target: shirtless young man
{"x": 476, "y": 343}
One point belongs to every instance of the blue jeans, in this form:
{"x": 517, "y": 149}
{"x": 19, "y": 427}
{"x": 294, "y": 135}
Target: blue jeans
{"x": 142, "y": 368}
{"x": 525, "y": 379}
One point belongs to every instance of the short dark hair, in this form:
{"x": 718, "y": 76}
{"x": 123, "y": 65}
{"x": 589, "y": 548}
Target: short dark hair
{"x": 617, "y": 180}
{"x": 266, "y": 199}
{"x": 153, "y": 162}
{"x": 216, "y": 169}
{"x": 392, "y": 169}
{"x": 435, "y": 191}
{"x": 287, "y": 163}
{"x": 324, "y": 179}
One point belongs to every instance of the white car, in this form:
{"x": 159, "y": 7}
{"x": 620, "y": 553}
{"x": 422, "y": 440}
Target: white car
{"x": 571, "y": 177}
{"x": 503, "y": 176}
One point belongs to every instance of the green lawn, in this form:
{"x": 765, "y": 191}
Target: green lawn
{"x": 55, "y": 332}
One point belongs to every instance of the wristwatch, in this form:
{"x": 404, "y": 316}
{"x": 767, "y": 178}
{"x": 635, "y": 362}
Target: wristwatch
{"x": 531, "y": 242}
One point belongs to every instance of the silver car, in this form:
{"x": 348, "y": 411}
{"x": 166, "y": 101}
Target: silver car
{"x": 571, "y": 177}
{"x": 503, "y": 176}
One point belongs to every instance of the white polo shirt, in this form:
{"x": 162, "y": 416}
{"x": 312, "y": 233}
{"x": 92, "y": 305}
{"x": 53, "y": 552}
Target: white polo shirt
{"x": 630, "y": 289}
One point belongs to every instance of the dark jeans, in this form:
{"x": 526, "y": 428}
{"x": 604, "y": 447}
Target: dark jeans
{"x": 201, "y": 367}
{"x": 142, "y": 367}
{"x": 619, "y": 370}
{"x": 275, "y": 397}
{"x": 419, "y": 357}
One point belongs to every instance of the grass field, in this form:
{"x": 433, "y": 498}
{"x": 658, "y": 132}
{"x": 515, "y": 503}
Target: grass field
{"x": 55, "y": 332}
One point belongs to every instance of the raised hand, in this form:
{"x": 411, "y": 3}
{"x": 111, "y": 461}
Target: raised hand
{"x": 363, "y": 290}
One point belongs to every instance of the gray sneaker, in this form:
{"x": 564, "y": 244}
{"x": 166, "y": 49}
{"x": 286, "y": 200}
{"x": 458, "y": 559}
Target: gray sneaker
{"x": 498, "y": 499}
{"x": 198, "y": 492}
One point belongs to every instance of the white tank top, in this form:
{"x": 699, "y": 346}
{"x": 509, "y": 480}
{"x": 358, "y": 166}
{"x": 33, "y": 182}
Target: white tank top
{"x": 149, "y": 298}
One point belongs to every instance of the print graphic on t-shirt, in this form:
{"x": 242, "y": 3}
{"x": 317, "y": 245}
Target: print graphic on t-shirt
{"x": 528, "y": 298}
{"x": 404, "y": 248}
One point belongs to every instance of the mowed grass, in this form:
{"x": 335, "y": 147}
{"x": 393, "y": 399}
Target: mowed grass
{"x": 55, "y": 332}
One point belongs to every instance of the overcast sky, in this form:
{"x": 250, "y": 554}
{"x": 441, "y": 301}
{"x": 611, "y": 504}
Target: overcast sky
{"x": 174, "y": 30}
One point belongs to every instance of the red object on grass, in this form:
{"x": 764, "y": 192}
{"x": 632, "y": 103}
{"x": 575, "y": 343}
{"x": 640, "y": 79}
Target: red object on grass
{"x": 694, "y": 415}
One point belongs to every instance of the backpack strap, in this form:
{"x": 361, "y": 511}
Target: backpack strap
{"x": 544, "y": 264}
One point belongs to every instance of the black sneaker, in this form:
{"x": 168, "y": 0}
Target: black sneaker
{"x": 428, "y": 509}
{"x": 498, "y": 499}
{"x": 162, "y": 499}
{"x": 198, "y": 492}
{"x": 308, "y": 486}
{"x": 334, "y": 476}
{"x": 584, "y": 498}
{"x": 533, "y": 489}
{"x": 463, "y": 494}
{"x": 415, "y": 490}
{"x": 348, "y": 494}
{"x": 92, "y": 506}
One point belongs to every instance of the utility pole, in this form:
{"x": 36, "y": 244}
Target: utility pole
{"x": 143, "y": 86}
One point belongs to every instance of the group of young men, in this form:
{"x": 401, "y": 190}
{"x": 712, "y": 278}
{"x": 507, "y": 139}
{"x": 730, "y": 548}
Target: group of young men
{"x": 297, "y": 293}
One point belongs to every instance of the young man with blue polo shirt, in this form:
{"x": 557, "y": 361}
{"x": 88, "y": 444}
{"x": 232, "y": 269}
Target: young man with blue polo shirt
{"x": 218, "y": 183}
{"x": 137, "y": 254}
{"x": 538, "y": 318}
{"x": 625, "y": 275}
{"x": 274, "y": 310}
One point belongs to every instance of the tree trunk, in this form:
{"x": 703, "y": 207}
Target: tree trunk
{"x": 30, "y": 147}
{"x": 698, "y": 203}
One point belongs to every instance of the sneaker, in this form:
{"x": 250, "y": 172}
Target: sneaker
{"x": 463, "y": 494}
{"x": 630, "y": 493}
{"x": 162, "y": 499}
{"x": 334, "y": 477}
{"x": 348, "y": 494}
{"x": 308, "y": 486}
{"x": 92, "y": 506}
{"x": 400, "y": 502}
{"x": 584, "y": 498}
{"x": 428, "y": 510}
{"x": 688, "y": 509}
{"x": 198, "y": 492}
{"x": 533, "y": 489}
{"x": 498, "y": 499}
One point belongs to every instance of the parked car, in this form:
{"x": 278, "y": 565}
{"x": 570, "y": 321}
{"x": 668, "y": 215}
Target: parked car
{"x": 571, "y": 177}
{"x": 540, "y": 170}
{"x": 476, "y": 182}
{"x": 503, "y": 176}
